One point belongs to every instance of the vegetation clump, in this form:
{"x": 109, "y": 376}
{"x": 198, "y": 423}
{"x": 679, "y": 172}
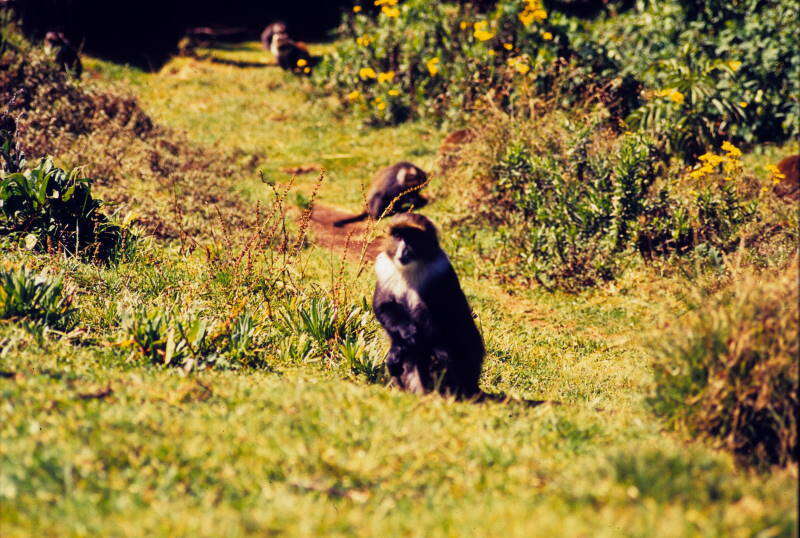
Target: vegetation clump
{"x": 53, "y": 209}
{"x": 730, "y": 368}
{"x": 38, "y": 298}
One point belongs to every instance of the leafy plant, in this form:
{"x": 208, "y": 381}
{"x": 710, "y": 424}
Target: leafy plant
{"x": 578, "y": 207}
{"x": 25, "y": 295}
{"x": 163, "y": 339}
{"x": 53, "y": 209}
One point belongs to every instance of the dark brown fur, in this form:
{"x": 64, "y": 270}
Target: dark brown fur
{"x": 789, "y": 186}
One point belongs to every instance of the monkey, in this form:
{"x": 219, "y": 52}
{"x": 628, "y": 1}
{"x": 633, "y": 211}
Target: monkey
{"x": 789, "y": 185}
{"x": 66, "y": 56}
{"x": 278, "y": 27}
{"x": 435, "y": 344}
{"x": 389, "y": 185}
{"x": 291, "y": 56}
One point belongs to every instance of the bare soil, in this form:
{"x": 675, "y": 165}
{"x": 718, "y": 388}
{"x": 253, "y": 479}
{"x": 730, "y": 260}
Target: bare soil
{"x": 351, "y": 239}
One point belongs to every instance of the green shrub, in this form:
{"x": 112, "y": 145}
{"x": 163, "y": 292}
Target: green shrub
{"x": 712, "y": 70}
{"x": 162, "y": 338}
{"x": 730, "y": 370}
{"x": 53, "y": 209}
{"x": 578, "y": 206}
{"x": 25, "y": 295}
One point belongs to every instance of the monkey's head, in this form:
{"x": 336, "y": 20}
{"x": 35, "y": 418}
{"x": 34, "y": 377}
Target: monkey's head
{"x": 55, "y": 39}
{"x": 412, "y": 239}
{"x": 410, "y": 176}
{"x": 280, "y": 39}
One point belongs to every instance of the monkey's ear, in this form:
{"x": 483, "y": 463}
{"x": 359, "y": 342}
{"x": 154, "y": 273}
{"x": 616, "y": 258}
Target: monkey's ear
{"x": 401, "y": 175}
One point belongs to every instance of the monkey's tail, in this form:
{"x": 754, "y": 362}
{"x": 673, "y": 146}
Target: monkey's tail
{"x": 348, "y": 220}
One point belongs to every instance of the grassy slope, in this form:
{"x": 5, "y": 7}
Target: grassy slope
{"x": 303, "y": 451}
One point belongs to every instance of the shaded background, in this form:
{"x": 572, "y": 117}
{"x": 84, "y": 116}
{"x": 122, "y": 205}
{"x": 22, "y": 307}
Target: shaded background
{"x": 145, "y": 32}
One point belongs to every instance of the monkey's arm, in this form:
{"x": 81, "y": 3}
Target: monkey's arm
{"x": 399, "y": 323}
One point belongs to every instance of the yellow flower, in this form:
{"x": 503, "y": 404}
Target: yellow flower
{"x": 483, "y": 35}
{"x": 353, "y": 95}
{"x": 728, "y": 178}
{"x": 743, "y": 104}
{"x": 732, "y": 150}
{"x": 526, "y": 17}
{"x": 547, "y": 36}
{"x": 356, "y": 9}
{"x": 364, "y": 40}
{"x": 390, "y": 12}
{"x": 464, "y": 25}
{"x": 775, "y": 172}
{"x": 302, "y": 62}
{"x": 519, "y": 64}
{"x": 481, "y": 25}
{"x": 386, "y": 2}
{"x": 491, "y": 52}
{"x": 366, "y": 73}
{"x": 307, "y": 70}
{"x": 672, "y": 94}
{"x": 735, "y": 65}
{"x": 508, "y": 46}
{"x": 393, "y": 92}
{"x": 386, "y": 77}
{"x": 433, "y": 66}
{"x": 539, "y": 14}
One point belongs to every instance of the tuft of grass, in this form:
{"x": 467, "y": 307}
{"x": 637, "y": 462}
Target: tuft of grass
{"x": 730, "y": 371}
{"x": 26, "y": 295}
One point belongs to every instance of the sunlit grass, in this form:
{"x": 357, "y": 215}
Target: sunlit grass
{"x": 306, "y": 447}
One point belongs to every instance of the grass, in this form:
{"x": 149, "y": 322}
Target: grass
{"x": 96, "y": 440}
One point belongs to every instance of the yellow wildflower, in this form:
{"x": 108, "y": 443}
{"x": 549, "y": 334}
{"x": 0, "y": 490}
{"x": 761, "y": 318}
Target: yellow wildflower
{"x": 302, "y": 62}
{"x": 732, "y": 150}
{"x": 356, "y": 9}
{"x": 526, "y": 17}
{"x": 366, "y": 73}
{"x": 388, "y": 76}
{"x": 483, "y": 35}
{"x": 390, "y": 12}
{"x": 306, "y": 70}
{"x": 464, "y": 25}
{"x": 539, "y": 15}
{"x": 386, "y": 2}
{"x": 728, "y": 178}
{"x": 519, "y": 64}
{"x": 433, "y": 66}
{"x": 508, "y": 46}
{"x": 364, "y": 40}
{"x": 547, "y": 36}
{"x": 481, "y": 25}
{"x": 775, "y": 172}
{"x": 394, "y": 92}
{"x": 743, "y": 104}
{"x": 735, "y": 65}
{"x": 353, "y": 95}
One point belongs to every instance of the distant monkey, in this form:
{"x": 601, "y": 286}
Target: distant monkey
{"x": 291, "y": 56}
{"x": 789, "y": 185}
{"x": 278, "y": 27}
{"x": 65, "y": 55}
{"x": 435, "y": 344}
{"x": 388, "y": 186}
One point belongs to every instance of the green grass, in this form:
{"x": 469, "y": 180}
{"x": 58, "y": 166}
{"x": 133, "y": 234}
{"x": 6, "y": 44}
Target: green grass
{"x": 308, "y": 447}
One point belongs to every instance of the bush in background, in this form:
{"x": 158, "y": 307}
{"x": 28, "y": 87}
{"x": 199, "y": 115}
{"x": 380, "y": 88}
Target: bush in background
{"x": 730, "y": 368}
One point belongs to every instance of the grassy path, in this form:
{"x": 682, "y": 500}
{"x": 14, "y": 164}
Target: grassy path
{"x": 299, "y": 450}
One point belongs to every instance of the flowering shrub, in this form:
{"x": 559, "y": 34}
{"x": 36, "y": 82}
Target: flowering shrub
{"x": 693, "y": 79}
{"x": 436, "y": 58}
{"x": 713, "y": 70}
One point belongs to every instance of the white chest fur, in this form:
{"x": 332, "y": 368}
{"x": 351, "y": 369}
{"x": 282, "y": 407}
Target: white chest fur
{"x": 405, "y": 284}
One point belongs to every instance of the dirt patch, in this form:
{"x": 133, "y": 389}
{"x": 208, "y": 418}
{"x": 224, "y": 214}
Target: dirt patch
{"x": 351, "y": 239}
